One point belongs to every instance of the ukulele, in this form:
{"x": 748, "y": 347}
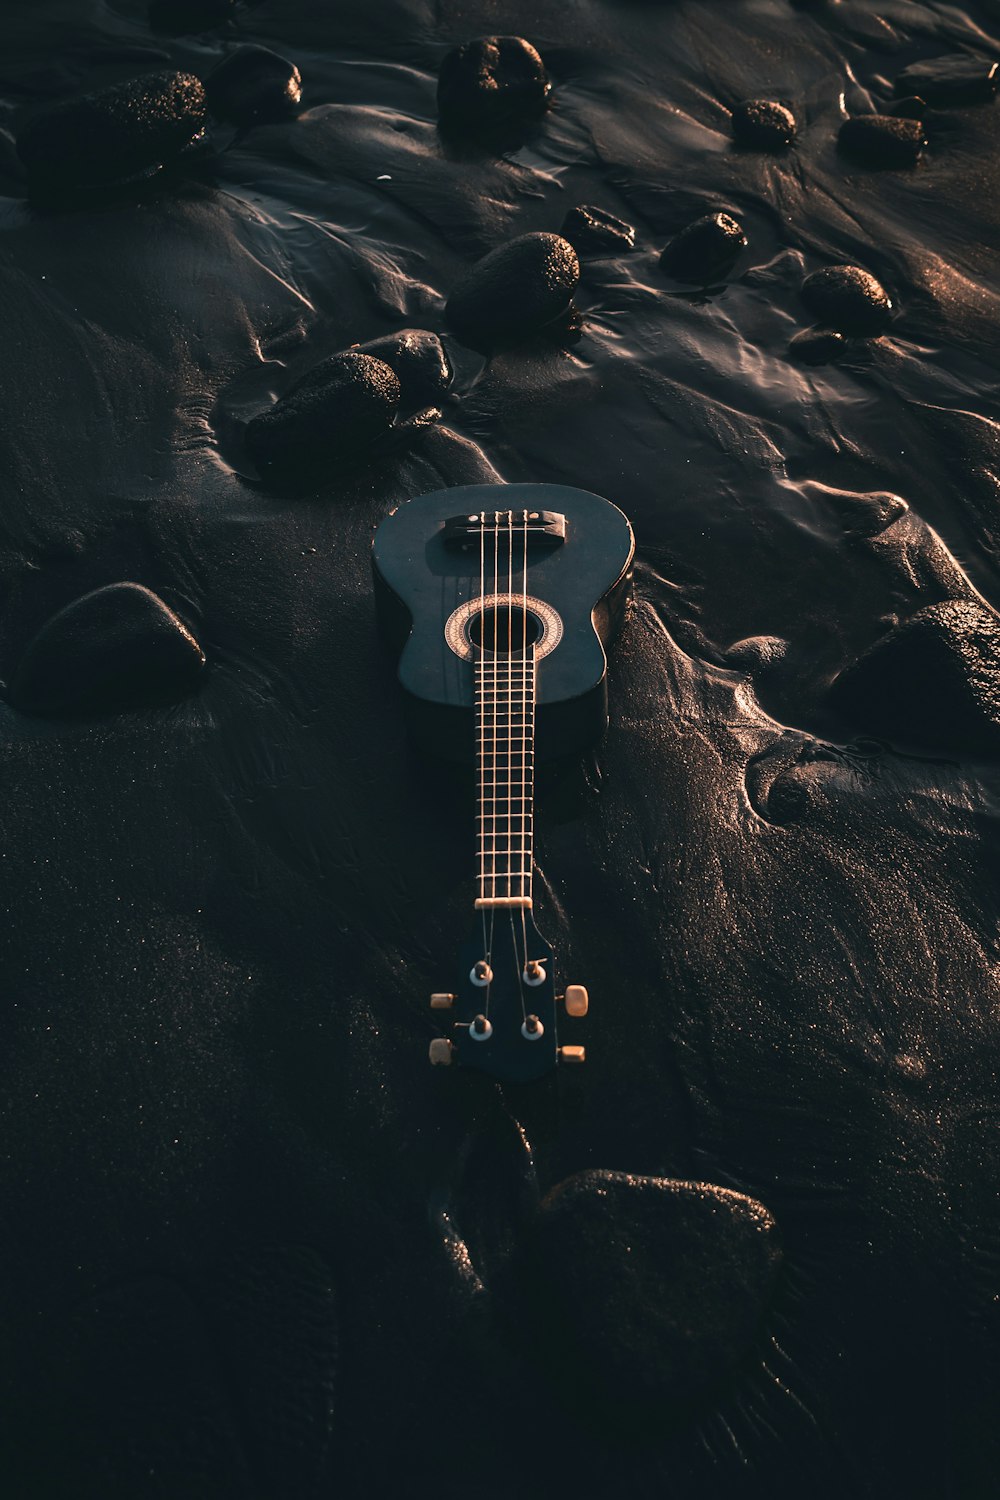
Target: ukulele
{"x": 499, "y": 600}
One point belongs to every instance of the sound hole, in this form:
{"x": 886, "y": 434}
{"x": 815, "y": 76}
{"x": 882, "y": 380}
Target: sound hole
{"x": 505, "y": 630}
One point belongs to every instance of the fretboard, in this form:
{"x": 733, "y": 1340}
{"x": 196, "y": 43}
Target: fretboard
{"x": 505, "y": 753}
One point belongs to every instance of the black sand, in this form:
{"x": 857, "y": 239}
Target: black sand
{"x": 252, "y": 1245}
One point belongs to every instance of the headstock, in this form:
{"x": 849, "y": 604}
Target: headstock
{"x": 501, "y": 1018}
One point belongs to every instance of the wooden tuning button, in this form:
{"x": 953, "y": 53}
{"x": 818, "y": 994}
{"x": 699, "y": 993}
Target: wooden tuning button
{"x": 576, "y": 1000}
{"x": 439, "y": 1052}
{"x": 442, "y": 1002}
{"x": 572, "y": 1054}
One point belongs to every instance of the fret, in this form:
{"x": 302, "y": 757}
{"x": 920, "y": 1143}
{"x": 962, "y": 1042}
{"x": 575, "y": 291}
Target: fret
{"x": 505, "y": 724}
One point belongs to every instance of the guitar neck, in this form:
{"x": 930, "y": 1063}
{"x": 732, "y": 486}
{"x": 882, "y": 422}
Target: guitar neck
{"x": 505, "y": 759}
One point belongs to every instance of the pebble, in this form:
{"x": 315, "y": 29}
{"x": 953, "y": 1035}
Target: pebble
{"x": 119, "y": 647}
{"x": 514, "y": 290}
{"x": 817, "y": 346}
{"x": 704, "y": 250}
{"x": 253, "y": 84}
{"x": 933, "y": 680}
{"x": 189, "y": 15}
{"x": 420, "y": 362}
{"x": 334, "y": 412}
{"x": 764, "y": 124}
{"x": 944, "y": 81}
{"x": 115, "y": 133}
{"x": 644, "y": 1292}
{"x": 848, "y": 299}
{"x": 593, "y": 232}
{"x": 493, "y": 81}
{"x": 882, "y": 140}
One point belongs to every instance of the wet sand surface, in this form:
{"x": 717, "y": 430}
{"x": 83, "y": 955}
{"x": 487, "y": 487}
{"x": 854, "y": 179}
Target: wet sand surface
{"x": 252, "y": 1245}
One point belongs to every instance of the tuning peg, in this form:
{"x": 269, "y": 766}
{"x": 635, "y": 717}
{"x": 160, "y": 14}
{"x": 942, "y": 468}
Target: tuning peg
{"x": 576, "y": 1000}
{"x": 442, "y": 1002}
{"x": 481, "y": 1029}
{"x": 439, "y": 1052}
{"x": 572, "y": 1054}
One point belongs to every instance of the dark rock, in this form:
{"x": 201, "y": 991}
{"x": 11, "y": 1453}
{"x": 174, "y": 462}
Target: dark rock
{"x": 910, "y": 108}
{"x": 253, "y": 84}
{"x": 119, "y": 647}
{"x": 592, "y": 232}
{"x": 849, "y": 299}
{"x": 643, "y": 1291}
{"x": 334, "y": 412}
{"x": 763, "y": 123}
{"x": 419, "y": 360}
{"x": 492, "y": 82}
{"x": 115, "y": 133}
{"x": 945, "y": 81}
{"x": 189, "y": 15}
{"x": 704, "y": 250}
{"x": 882, "y": 140}
{"x": 817, "y": 346}
{"x": 934, "y": 680}
{"x": 514, "y": 290}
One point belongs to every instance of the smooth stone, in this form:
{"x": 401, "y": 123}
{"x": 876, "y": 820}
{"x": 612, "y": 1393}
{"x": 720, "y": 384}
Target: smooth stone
{"x": 514, "y": 290}
{"x": 492, "y": 81}
{"x": 643, "y": 1292}
{"x": 704, "y": 250}
{"x": 334, "y": 412}
{"x": 189, "y": 15}
{"x": 817, "y": 346}
{"x": 119, "y": 647}
{"x": 934, "y": 680}
{"x": 882, "y": 140}
{"x": 765, "y": 124}
{"x": 114, "y": 133}
{"x": 946, "y": 81}
{"x": 910, "y": 108}
{"x": 419, "y": 360}
{"x": 848, "y": 299}
{"x": 593, "y": 232}
{"x": 253, "y": 84}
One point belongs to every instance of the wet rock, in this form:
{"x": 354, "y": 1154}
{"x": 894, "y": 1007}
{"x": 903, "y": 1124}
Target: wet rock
{"x": 514, "y": 290}
{"x": 644, "y": 1291}
{"x": 757, "y": 654}
{"x": 119, "y": 647}
{"x": 492, "y": 82}
{"x": 848, "y": 299}
{"x": 419, "y": 360}
{"x": 253, "y": 84}
{"x": 910, "y": 108}
{"x": 115, "y": 133}
{"x": 945, "y": 81}
{"x": 704, "y": 250}
{"x": 764, "y": 124}
{"x": 882, "y": 140}
{"x": 934, "y": 680}
{"x": 189, "y": 15}
{"x": 817, "y": 346}
{"x": 334, "y": 412}
{"x": 594, "y": 233}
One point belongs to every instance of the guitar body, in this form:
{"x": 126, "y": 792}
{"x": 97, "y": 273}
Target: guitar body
{"x": 499, "y": 601}
{"x": 420, "y": 582}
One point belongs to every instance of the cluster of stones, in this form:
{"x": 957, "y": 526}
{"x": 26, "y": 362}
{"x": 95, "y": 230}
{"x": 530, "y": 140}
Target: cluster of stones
{"x": 124, "y": 642}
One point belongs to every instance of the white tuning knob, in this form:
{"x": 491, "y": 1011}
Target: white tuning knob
{"x": 577, "y": 1000}
{"x": 439, "y": 1052}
